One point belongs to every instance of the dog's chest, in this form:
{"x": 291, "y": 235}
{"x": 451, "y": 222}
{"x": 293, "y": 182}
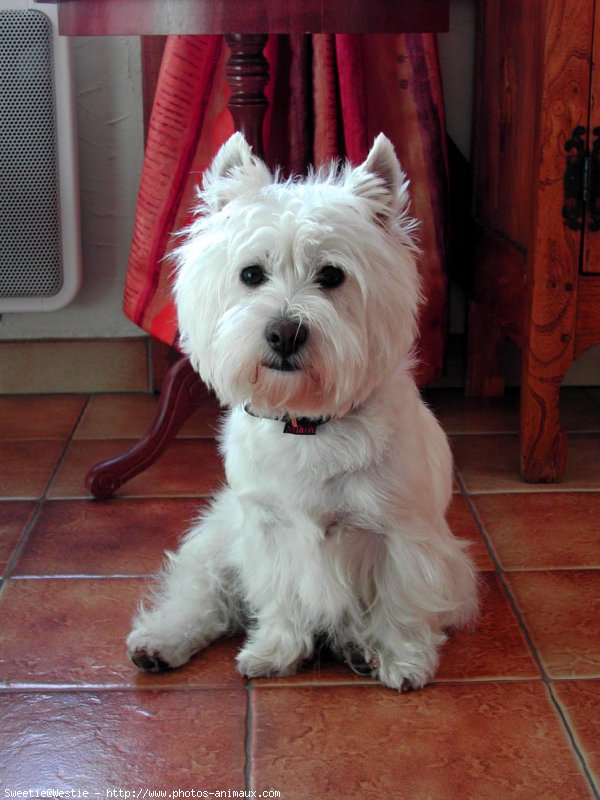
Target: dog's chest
{"x": 307, "y": 473}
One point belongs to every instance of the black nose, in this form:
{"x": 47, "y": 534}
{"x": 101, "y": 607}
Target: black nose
{"x": 285, "y": 338}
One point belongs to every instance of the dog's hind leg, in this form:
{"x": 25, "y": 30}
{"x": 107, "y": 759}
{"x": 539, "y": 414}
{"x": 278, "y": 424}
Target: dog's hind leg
{"x": 193, "y": 603}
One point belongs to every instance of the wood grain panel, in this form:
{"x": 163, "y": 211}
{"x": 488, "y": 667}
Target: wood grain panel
{"x": 499, "y": 282}
{"x": 509, "y": 60}
{"x": 553, "y": 269}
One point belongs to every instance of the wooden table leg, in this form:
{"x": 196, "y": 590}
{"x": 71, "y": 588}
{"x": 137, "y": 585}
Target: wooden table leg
{"x": 182, "y": 393}
{"x": 247, "y": 73}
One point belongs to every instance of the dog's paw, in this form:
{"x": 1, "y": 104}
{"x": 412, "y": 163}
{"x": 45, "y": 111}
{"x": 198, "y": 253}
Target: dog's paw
{"x": 152, "y": 653}
{"x": 402, "y": 675}
{"x": 263, "y": 665}
{"x": 149, "y": 662}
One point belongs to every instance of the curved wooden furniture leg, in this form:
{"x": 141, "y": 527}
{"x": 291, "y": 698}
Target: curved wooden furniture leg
{"x": 182, "y": 392}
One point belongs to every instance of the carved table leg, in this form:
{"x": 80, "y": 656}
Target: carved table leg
{"x": 247, "y": 75}
{"x": 543, "y": 441}
{"x": 182, "y": 392}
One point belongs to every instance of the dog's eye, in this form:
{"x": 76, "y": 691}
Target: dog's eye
{"x": 330, "y": 277}
{"x": 252, "y": 276}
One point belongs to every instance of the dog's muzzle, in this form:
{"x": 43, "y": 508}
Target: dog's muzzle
{"x": 285, "y": 338}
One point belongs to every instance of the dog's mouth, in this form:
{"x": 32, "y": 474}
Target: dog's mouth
{"x": 282, "y": 365}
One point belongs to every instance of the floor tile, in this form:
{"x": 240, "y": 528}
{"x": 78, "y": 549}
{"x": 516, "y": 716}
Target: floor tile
{"x": 188, "y": 467}
{"x": 118, "y": 537}
{"x": 541, "y": 531}
{"x": 72, "y": 633}
{"x": 561, "y": 612}
{"x": 13, "y": 521}
{"x": 491, "y": 464}
{"x": 580, "y": 700}
{"x": 496, "y": 741}
{"x": 463, "y": 525}
{"x": 27, "y": 467}
{"x": 488, "y": 463}
{"x": 493, "y": 647}
{"x": 123, "y": 740}
{"x": 128, "y": 416}
{"x": 39, "y": 416}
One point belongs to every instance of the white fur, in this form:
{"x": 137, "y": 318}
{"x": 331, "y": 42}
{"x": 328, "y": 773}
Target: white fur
{"x": 341, "y": 534}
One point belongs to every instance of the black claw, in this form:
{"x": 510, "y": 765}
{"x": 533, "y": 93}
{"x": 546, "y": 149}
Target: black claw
{"x": 359, "y": 665}
{"x": 357, "y": 662}
{"x": 148, "y": 663}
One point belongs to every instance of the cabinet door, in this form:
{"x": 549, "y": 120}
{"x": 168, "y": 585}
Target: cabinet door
{"x": 591, "y": 233}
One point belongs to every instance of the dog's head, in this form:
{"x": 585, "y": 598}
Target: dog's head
{"x": 298, "y": 296}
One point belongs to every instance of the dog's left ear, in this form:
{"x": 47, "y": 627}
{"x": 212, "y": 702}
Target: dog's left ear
{"x": 234, "y": 169}
{"x": 381, "y": 179}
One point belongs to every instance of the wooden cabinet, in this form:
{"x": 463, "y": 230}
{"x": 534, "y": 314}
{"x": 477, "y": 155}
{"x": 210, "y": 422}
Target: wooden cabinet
{"x": 537, "y": 208}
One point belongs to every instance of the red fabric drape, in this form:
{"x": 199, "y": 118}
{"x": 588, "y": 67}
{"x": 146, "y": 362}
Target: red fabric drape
{"x": 329, "y": 96}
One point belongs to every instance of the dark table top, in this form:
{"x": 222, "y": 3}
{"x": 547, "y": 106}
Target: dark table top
{"x": 147, "y": 17}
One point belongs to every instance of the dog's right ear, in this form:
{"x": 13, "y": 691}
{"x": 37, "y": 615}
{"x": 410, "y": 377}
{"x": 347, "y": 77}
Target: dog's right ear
{"x": 234, "y": 169}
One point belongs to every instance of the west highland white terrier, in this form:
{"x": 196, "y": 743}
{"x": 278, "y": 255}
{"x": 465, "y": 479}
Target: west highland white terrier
{"x": 298, "y": 304}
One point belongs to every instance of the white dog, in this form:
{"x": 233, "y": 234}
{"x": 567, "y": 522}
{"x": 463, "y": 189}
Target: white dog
{"x": 298, "y": 305}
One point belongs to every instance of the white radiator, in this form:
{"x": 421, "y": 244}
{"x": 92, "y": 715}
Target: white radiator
{"x": 40, "y": 250}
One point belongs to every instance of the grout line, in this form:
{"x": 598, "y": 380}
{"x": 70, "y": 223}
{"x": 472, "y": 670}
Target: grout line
{"x": 9, "y": 686}
{"x": 550, "y": 568}
{"x": 502, "y": 578}
{"x": 515, "y": 433}
{"x": 524, "y": 630}
{"x": 52, "y": 499}
{"x": 543, "y": 489}
{"x": 248, "y": 737}
{"x": 571, "y": 735}
{"x": 14, "y": 687}
{"x": 16, "y": 555}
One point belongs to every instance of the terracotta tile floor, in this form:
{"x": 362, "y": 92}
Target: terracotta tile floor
{"x": 514, "y": 711}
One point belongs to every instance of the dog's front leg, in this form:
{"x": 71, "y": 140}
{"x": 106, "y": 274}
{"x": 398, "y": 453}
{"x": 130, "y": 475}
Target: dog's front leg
{"x": 275, "y": 646}
{"x": 193, "y": 603}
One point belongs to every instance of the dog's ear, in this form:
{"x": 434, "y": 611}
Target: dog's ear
{"x": 234, "y": 153}
{"x": 234, "y": 169}
{"x": 381, "y": 179}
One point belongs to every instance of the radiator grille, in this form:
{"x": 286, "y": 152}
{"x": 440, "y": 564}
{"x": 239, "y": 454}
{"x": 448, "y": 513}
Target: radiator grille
{"x": 30, "y": 244}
